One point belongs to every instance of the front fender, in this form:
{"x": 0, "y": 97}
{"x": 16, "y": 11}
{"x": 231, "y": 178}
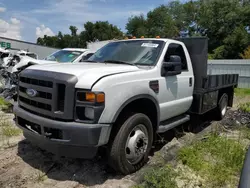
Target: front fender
{"x": 141, "y": 96}
{"x": 115, "y": 102}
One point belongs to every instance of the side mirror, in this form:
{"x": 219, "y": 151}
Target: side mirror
{"x": 84, "y": 58}
{"x": 173, "y": 67}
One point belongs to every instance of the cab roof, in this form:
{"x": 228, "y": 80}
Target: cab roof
{"x": 76, "y": 49}
{"x": 156, "y": 39}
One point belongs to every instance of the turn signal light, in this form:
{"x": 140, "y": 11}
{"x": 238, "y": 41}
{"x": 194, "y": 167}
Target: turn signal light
{"x": 93, "y": 97}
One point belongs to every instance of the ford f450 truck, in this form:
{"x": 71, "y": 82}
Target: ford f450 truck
{"x": 124, "y": 95}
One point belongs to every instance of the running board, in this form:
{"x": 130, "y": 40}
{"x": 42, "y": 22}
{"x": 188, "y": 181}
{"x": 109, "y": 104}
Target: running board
{"x": 171, "y": 123}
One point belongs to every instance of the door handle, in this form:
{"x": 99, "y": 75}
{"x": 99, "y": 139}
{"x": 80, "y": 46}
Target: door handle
{"x": 190, "y": 81}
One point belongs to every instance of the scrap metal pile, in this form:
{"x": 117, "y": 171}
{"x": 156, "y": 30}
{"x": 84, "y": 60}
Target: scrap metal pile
{"x": 236, "y": 117}
{"x": 11, "y": 64}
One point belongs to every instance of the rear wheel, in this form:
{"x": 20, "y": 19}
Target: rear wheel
{"x": 130, "y": 148}
{"x": 222, "y": 106}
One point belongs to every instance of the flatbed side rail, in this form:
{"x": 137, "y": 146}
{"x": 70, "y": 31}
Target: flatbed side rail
{"x": 220, "y": 81}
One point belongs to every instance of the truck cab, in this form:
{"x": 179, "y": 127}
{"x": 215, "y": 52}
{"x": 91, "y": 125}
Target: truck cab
{"x": 119, "y": 99}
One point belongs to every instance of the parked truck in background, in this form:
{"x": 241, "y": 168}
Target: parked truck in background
{"x": 120, "y": 99}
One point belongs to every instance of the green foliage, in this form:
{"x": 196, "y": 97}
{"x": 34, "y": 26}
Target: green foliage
{"x": 137, "y": 26}
{"x": 219, "y": 53}
{"x": 10, "y": 131}
{"x": 210, "y": 56}
{"x": 160, "y": 23}
{"x": 245, "y": 107}
{"x": 159, "y": 178}
{"x": 245, "y": 131}
{"x": 223, "y": 22}
{"x": 5, "y": 106}
{"x": 3, "y": 102}
{"x": 246, "y": 53}
{"x": 217, "y": 158}
{"x": 242, "y": 91}
{"x": 7, "y": 129}
{"x": 99, "y": 30}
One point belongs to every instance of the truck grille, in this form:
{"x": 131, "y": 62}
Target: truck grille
{"x": 36, "y": 82}
{"x": 54, "y": 93}
{"x": 35, "y": 103}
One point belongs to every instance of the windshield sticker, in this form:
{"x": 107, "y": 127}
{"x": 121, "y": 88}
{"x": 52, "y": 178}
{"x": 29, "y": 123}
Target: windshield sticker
{"x": 76, "y": 53}
{"x": 150, "y": 45}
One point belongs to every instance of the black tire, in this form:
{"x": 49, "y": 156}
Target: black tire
{"x": 117, "y": 148}
{"x": 222, "y": 107}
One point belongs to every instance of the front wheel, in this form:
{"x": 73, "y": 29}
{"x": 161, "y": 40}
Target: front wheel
{"x": 130, "y": 148}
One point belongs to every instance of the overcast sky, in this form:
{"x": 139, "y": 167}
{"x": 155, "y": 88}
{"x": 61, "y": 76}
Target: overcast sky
{"x": 29, "y": 19}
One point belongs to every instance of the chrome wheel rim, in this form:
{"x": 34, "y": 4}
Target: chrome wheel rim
{"x": 137, "y": 144}
{"x": 223, "y": 106}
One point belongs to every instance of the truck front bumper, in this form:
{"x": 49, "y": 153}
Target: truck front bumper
{"x": 71, "y": 139}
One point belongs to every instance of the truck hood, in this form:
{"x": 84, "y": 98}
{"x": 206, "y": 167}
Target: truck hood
{"x": 90, "y": 72}
{"x": 38, "y": 61}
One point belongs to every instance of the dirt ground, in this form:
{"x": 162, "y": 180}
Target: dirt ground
{"x": 24, "y": 165}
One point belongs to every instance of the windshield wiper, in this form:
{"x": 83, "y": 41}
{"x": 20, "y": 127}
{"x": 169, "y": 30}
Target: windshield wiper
{"x": 118, "y": 62}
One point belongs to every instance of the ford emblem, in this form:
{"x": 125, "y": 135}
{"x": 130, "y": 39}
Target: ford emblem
{"x": 31, "y": 92}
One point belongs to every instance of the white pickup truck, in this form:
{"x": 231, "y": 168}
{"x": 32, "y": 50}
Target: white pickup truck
{"x": 120, "y": 99}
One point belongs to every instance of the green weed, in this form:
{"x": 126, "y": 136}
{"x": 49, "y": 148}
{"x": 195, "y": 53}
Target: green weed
{"x": 10, "y": 131}
{"x": 245, "y": 107}
{"x": 217, "y": 158}
{"x": 159, "y": 178}
{"x": 241, "y": 91}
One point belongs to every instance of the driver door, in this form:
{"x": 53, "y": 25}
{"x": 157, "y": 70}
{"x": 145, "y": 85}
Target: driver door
{"x": 176, "y": 93}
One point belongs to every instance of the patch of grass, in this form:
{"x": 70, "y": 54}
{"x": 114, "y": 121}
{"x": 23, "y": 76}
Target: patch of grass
{"x": 241, "y": 91}
{"x": 10, "y": 131}
{"x": 5, "y": 106}
{"x": 5, "y": 123}
{"x": 3, "y": 102}
{"x": 159, "y": 178}
{"x": 245, "y": 107}
{"x": 245, "y": 131}
{"x": 41, "y": 176}
{"x": 217, "y": 158}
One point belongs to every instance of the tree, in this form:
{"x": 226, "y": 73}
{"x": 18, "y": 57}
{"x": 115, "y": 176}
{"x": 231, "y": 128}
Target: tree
{"x": 92, "y": 31}
{"x": 161, "y": 23}
{"x": 166, "y": 20}
{"x": 246, "y": 53}
{"x": 224, "y": 23}
{"x": 73, "y": 30}
{"x": 137, "y": 26}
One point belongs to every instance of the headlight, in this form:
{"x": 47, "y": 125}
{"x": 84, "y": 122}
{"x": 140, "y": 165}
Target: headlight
{"x": 89, "y": 106}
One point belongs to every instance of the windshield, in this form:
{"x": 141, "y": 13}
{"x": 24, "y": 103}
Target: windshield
{"x": 139, "y": 52}
{"x": 64, "y": 56}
